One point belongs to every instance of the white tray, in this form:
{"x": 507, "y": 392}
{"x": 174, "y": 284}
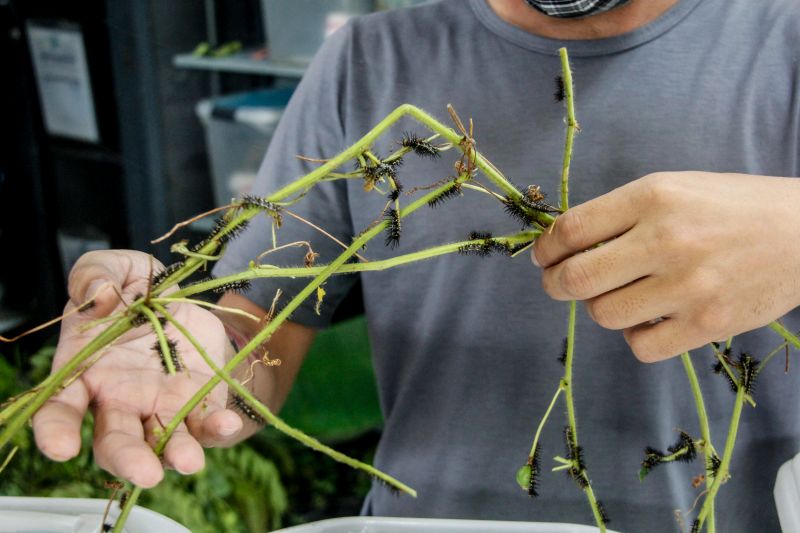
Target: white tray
{"x": 75, "y": 515}
{"x": 375, "y": 524}
{"x": 787, "y": 495}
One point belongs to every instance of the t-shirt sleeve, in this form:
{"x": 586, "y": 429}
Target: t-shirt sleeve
{"x": 311, "y": 126}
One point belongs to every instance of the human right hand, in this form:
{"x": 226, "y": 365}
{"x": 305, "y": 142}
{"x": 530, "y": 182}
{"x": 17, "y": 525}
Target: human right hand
{"x": 127, "y": 389}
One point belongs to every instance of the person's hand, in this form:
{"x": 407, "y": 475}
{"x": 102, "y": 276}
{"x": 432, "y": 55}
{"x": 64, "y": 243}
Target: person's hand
{"x": 687, "y": 258}
{"x": 127, "y": 389}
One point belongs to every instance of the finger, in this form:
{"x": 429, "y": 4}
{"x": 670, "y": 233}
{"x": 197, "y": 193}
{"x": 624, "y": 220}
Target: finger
{"x": 599, "y": 270}
{"x": 98, "y": 273}
{"x": 182, "y": 451}
{"x": 645, "y": 300}
{"x": 662, "y": 340}
{"x": 217, "y": 428}
{"x": 585, "y": 225}
{"x": 57, "y": 425}
{"x": 120, "y": 448}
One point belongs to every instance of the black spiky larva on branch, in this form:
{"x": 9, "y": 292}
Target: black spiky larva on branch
{"x": 240, "y": 286}
{"x": 447, "y": 194}
{"x": 166, "y": 272}
{"x": 172, "y": 347}
{"x": 562, "y": 358}
{"x": 486, "y": 247}
{"x": 748, "y": 372}
{"x": 560, "y": 92}
{"x": 528, "y": 474}
{"x": 601, "y": 510}
{"x": 251, "y": 201}
{"x": 420, "y": 146}
{"x": 241, "y": 405}
{"x": 392, "y": 228}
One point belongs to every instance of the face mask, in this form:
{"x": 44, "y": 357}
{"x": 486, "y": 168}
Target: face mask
{"x": 574, "y": 8}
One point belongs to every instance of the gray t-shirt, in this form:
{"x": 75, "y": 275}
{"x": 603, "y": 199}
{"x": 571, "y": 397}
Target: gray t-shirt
{"x": 465, "y": 348}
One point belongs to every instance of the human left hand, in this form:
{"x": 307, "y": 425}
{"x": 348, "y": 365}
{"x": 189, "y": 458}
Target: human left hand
{"x": 686, "y": 258}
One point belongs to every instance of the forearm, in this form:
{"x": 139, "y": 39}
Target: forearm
{"x": 270, "y": 370}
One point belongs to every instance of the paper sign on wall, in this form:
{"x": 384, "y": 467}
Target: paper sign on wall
{"x": 62, "y": 76}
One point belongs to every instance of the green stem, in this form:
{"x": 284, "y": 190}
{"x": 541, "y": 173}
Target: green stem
{"x": 263, "y": 335}
{"x": 272, "y": 419}
{"x": 790, "y": 337}
{"x": 543, "y": 421}
{"x": 347, "y": 268}
{"x": 53, "y": 384}
{"x": 705, "y": 430}
{"x": 166, "y": 354}
{"x": 567, "y": 381}
{"x": 353, "y": 152}
{"x": 572, "y": 126}
{"x": 727, "y": 454}
{"x": 126, "y": 510}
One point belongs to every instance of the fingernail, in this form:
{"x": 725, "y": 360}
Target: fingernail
{"x": 227, "y": 431}
{"x": 94, "y": 288}
{"x": 533, "y": 258}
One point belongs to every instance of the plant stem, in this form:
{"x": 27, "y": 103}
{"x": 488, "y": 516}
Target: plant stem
{"x": 271, "y": 418}
{"x": 566, "y": 382}
{"x": 263, "y": 335}
{"x": 119, "y": 524}
{"x": 347, "y": 268}
{"x": 572, "y": 126}
{"x": 705, "y": 430}
{"x": 53, "y": 383}
{"x": 722, "y": 473}
{"x": 543, "y": 421}
{"x": 166, "y": 355}
{"x": 790, "y": 337}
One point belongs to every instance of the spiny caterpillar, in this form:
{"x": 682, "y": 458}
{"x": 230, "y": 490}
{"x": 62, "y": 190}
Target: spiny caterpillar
{"x": 380, "y": 171}
{"x": 251, "y": 201}
{"x": 601, "y": 510}
{"x": 165, "y": 273}
{"x": 748, "y": 372}
{"x": 243, "y": 407}
{"x": 452, "y": 192}
{"x": 685, "y": 444}
{"x": 575, "y": 454}
{"x": 719, "y": 368}
{"x": 535, "y": 469}
{"x": 528, "y": 474}
{"x": 714, "y": 462}
{"x": 216, "y": 233}
{"x": 683, "y": 451}
{"x": 239, "y": 286}
{"x": 172, "y": 346}
{"x": 420, "y": 146}
{"x": 563, "y": 357}
{"x": 392, "y": 228}
{"x": 652, "y": 458}
{"x": 486, "y": 247}
{"x": 560, "y": 92}
{"x": 396, "y": 189}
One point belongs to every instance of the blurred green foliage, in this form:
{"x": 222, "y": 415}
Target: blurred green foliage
{"x": 268, "y": 482}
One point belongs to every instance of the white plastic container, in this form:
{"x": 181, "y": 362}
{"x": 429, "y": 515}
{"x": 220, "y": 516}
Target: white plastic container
{"x": 76, "y": 515}
{"x": 376, "y": 524}
{"x": 787, "y": 495}
{"x": 239, "y": 128}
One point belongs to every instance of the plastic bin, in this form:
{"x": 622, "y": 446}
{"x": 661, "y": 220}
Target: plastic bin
{"x": 238, "y": 130}
{"x": 296, "y": 29}
{"x": 75, "y": 515}
{"x": 787, "y": 495}
{"x": 375, "y": 524}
